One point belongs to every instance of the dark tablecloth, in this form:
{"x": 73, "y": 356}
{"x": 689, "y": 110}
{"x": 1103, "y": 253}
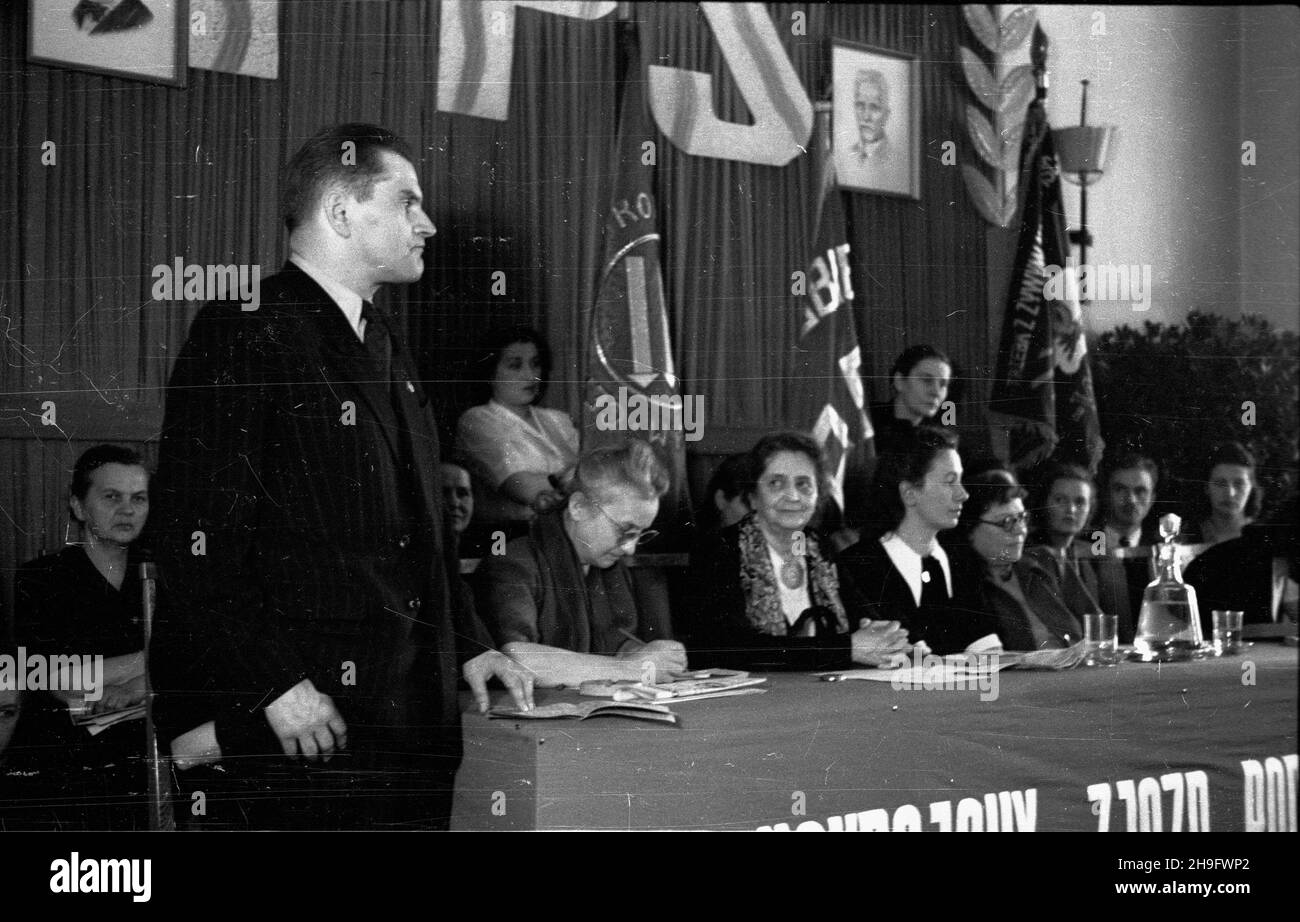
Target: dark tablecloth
{"x": 1173, "y": 747}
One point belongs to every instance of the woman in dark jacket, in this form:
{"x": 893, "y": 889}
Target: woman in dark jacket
{"x": 900, "y": 566}
{"x": 560, "y": 601}
{"x": 762, "y": 595}
{"x": 1019, "y": 592}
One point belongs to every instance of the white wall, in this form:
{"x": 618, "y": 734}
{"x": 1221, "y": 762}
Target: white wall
{"x": 1270, "y": 191}
{"x": 1185, "y": 86}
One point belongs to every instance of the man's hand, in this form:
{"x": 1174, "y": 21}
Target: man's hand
{"x": 880, "y": 643}
{"x": 307, "y": 723}
{"x": 517, "y": 680}
{"x": 668, "y": 656}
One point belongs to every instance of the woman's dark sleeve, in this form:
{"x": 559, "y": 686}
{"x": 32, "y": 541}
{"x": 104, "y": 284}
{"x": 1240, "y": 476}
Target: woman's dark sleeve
{"x": 44, "y": 615}
{"x": 717, "y": 631}
{"x": 856, "y": 604}
{"x": 969, "y": 615}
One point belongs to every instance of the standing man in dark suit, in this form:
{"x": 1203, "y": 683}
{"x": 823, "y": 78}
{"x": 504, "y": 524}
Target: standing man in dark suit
{"x": 306, "y": 567}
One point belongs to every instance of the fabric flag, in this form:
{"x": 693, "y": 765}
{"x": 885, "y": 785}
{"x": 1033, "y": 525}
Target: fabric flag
{"x": 1042, "y": 405}
{"x": 631, "y": 385}
{"x": 826, "y": 381}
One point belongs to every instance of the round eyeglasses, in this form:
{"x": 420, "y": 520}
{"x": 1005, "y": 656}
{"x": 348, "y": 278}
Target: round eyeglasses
{"x": 628, "y": 532}
{"x": 1009, "y": 523}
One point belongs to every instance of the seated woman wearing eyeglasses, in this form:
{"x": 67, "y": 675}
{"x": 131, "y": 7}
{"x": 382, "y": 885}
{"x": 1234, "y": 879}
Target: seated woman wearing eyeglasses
{"x": 763, "y": 596}
{"x": 560, "y": 601}
{"x": 1018, "y": 591}
{"x": 900, "y": 566}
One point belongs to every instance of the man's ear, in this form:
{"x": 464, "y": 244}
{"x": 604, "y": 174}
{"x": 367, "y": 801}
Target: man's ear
{"x": 898, "y": 381}
{"x": 334, "y": 205}
{"x": 577, "y": 506}
{"x": 78, "y": 510}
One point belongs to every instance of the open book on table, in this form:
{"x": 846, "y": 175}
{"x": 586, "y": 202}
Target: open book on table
{"x": 564, "y": 710}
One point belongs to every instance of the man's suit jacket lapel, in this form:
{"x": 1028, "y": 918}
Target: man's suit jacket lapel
{"x": 346, "y": 364}
{"x": 423, "y": 429}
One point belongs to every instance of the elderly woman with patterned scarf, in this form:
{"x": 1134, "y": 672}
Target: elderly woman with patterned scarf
{"x": 761, "y": 593}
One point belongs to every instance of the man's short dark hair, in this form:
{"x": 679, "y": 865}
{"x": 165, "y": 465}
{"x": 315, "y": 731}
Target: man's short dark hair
{"x": 1130, "y": 461}
{"x": 325, "y": 160}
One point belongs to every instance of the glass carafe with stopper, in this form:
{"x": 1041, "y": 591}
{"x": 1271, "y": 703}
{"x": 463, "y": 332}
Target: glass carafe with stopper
{"x": 1169, "y": 627}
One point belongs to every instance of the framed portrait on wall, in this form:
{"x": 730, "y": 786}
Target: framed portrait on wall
{"x": 139, "y": 39}
{"x": 876, "y": 114}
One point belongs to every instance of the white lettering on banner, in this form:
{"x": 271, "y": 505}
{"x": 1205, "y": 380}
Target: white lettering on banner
{"x": 1008, "y": 811}
{"x": 639, "y": 319}
{"x": 476, "y": 48}
{"x": 1144, "y": 802}
{"x": 832, "y": 285}
{"x": 682, "y": 100}
{"x": 476, "y": 42}
{"x": 1268, "y": 790}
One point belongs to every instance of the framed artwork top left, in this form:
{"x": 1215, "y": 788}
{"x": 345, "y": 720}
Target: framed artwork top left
{"x": 138, "y": 39}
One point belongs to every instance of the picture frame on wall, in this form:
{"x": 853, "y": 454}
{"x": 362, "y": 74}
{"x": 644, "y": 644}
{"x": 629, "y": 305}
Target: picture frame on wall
{"x": 876, "y": 116}
{"x": 137, "y": 39}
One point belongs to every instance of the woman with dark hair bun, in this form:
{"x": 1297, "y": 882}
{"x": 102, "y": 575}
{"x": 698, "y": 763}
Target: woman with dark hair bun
{"x": 1018, "y": 591}
{"x": 762, "y": 595}
{"x": 518, "y": 453}
{"x": 724, "y": 496}
{"x": 1231, "y": 499}
{"x": 899, "y": 564}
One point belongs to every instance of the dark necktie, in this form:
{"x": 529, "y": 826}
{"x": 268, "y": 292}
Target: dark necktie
{"x": 378, "y": 343}
{"x": 934, "y": 590}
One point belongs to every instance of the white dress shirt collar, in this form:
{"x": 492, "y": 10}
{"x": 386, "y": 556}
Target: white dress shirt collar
{"x": 1113, "y": 536}
{"x": 348, "y": 300}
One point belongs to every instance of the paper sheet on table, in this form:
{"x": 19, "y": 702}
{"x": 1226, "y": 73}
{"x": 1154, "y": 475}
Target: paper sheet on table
{"x": 98, "y": 723}
{"x": 963, "y": 666}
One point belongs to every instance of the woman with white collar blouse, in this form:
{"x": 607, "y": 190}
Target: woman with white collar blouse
{"x": 518, "y": 453}
{"x": 901, "y": 567}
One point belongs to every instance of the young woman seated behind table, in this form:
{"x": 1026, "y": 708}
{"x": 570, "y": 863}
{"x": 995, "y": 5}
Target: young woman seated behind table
{"x": 761, "y": 593}
{"x": 561, "y": 602}
{"x": 516, "y": 451}
{"x": 900, "y": 566}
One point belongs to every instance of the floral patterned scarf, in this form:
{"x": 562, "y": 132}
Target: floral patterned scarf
{"x": 763, "y": 595}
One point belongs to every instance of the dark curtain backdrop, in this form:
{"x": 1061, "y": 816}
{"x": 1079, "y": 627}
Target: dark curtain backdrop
{"x": 145, "y": 174}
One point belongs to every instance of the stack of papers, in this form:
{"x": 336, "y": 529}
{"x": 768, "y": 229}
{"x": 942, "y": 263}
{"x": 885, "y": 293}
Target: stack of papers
{"x": 711, "y": 683}
{"x": 98, "y": 723}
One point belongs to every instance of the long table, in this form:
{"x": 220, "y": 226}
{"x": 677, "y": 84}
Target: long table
{"x": 1208, "y": 745}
